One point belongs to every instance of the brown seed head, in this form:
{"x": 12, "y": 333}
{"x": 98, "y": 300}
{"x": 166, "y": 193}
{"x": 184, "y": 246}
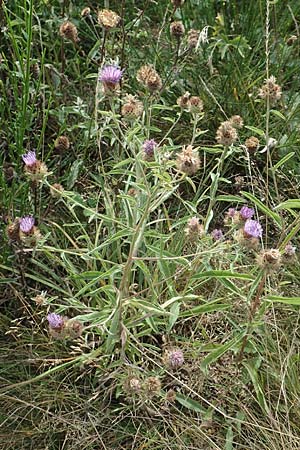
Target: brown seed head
{"x": 148, "y": 76}
{"x": 270, "y": 260}
{"x": 132, "y": 107}
{"x": 250, "y": 243}
{"x": 291, "y": 40}
{"x": 13, "y": 230}
{"x": 188, "y": 160}
{"x": 56, "y": 190}
{"x": 226, "y": 134}
{"x": 193, "y": 38}
{"x": 177, "y": 29}
{"x": 85, "y": 12}
{"x": 194, "y": 230}
{"x": 62, "y": 143}
{"x": 177, "y": 3}
{"x": 184, "y": 101}
{"x": 270, "y": 89}
{"x": 195, "y": 105}
{"x": 69, "y": 31}
{"x": 108, "y": 19}
{"x": 236, "y": 121}
{"x": 132, "y": 385}
{"x": 152, "y": 386}
{"x": 252, "y": 144}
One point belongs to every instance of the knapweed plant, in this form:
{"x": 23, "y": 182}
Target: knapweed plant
{"x": 150, "y": 227}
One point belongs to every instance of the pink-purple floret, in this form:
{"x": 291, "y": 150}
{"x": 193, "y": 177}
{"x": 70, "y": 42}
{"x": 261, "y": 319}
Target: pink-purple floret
{"x": 29, "y": 158}
{"x": 26, "y": 224}
{"x": 246, "y": 213}
{"x": 55, "y": 320}
{"x": 217, "y": 235}
{"x": 149, "y": 146}
{"x": 110, "y": 74}
{"x": 252, "y": 228}
{"x": 176, "y": 358}
{"x": 231, "y": 212}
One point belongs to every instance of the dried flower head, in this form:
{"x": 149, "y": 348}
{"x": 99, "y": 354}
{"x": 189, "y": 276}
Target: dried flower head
{"x": 85, "y": 12}
{"x": 69, "y": 31}
{"x": 132, "y": 385}
{"x": 289, "y": 254}
{"x": 194, "y": 230}
{"x": 291, "y": 40}
{"x": 108, "y": 19}
{"x": 152, "y": 386}
{"x": 173, "y": 358}
{"x": 190, "y": 103}
{"x": 270, "y": 260}
{"x": 246, "y": 213}
{"x": 35, "y": 70}
{"x": 184, "y": 101}
{"x": 148, "y": 149}
{"x": 170, "y": 396}
{"x": 226, "y": 134}
{"x": 236, "y": 121}
{"x": 13, "y": 230}
{"x": 252, "y": 144}
{"x": 56, "y": 190}
{"x": 40, "y": 299}
{"x": 73, "y": 328}
{"x": 245, "y": 240}
{"x": 132, "y": 107}
{"x": 149, "y": 78}
{"x": 62, "y": 143}
{"x": 270, "y": 90}
{"x": 177, "y": 29}
{"x": 188, "y": 160}
{"x": 193, "y": 38}
{"x": 177, "y": 3}
{"x": 217, "y": 235}
{"x": 195, "y": 105}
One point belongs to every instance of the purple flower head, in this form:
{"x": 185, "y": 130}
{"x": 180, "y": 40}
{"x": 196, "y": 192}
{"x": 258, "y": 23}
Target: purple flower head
{"x": 110, "y": 75}
{"x": 176, "y": 358}
{"x": 149, "y": 146}
{"x": 252, "y": 228}
{"x": 246, "y": 213}
{"x": 55, "y": 321}
{"x": 217, "y": 235}
{"x": 231, "y": 212}
{"x": 29, "y": 159}
{"x": 26, "y": 224}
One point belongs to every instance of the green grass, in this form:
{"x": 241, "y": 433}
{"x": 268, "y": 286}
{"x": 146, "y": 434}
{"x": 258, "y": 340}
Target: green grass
{"x": 114, "y": 254}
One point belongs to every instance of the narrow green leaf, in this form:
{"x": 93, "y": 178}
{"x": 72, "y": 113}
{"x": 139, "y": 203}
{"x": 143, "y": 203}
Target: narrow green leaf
{"x": 293, "y": 203}
{"x": 283, "y": 160}
{"x": 258, "y": 389}
{"x": 216, "y": 354}
{"x": 286, "y": 300}
{"x": 193, "y": 405}
{"x": 222, "y": 274}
